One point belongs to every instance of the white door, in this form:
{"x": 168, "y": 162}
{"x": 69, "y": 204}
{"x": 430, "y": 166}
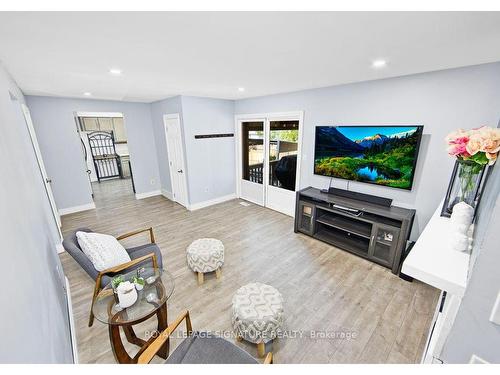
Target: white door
{"x": 283, "y": 149}
{"x": 268, "y": 150}
{"x": 46, "y": 180}
{"x": 176, "y": 158}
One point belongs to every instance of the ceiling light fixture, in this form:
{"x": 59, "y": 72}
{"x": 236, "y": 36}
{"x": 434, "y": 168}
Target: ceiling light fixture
{"x": 115, "y": 72}
{"x": 87, "y": 94}
{"x": 241, "y": 89}
{"x": 379, "y": 64}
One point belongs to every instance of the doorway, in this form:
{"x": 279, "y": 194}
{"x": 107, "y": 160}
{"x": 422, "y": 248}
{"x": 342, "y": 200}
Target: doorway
{"x": 106, "y": 156}
{"x": 268, "y": 165}
{"x": 175, "y": 153}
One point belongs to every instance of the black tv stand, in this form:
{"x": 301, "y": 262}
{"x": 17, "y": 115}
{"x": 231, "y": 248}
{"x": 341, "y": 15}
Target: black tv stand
{"x": 372, "y": 231}
{"x": 386, "y": 202}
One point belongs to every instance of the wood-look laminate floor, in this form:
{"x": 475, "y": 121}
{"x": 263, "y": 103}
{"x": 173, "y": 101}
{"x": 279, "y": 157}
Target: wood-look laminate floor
{"x": 339, "y": 308}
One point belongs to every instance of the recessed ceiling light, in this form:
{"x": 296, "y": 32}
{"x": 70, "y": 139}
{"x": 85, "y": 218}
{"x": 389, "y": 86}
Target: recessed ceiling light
{"x": 241, "y": 89}
{"x": 379, "y": 63}
{"x": 87, "y": 94}
{"x": 115, "y": 72}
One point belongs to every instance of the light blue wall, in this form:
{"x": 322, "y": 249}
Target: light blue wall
{"x": 158, "y": 109}
{"x": 33, "y": 310}
{"x": 210, "y": 162}
{"x": 442, "y": 101}
{"x": 54, "y": 122}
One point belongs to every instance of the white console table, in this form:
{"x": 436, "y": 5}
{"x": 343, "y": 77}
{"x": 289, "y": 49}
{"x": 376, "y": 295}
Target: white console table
{"x": 434, "y": 262}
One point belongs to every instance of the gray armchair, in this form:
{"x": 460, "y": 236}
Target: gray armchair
{"x": 199, "y": 348}
{"x": 139, "y": 256}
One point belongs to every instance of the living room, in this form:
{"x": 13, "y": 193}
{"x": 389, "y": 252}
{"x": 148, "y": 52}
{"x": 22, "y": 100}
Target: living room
{"x": 328, "y": 205}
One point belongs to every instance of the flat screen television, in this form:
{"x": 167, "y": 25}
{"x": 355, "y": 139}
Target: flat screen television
{"x": 381, "y": 155}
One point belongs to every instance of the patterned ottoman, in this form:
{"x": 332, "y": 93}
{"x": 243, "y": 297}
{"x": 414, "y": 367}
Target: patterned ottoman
{"x": 205, "y": 255}
{"x": 257, "y": 314}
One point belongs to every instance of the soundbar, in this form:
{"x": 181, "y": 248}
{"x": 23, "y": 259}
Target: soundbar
{"x": 386, "y": 202}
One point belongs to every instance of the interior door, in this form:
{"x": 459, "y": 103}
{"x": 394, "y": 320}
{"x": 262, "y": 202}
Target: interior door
{"x": 252, "y": 150}
{"x": 282, "y": 164}
{"x": 176, "y": 158}
{"x": 46, "y": 180}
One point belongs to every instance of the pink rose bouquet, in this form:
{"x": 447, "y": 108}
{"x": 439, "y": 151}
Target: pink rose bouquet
{"x": 474, "y": 149}
{"x": 480, "y": 145}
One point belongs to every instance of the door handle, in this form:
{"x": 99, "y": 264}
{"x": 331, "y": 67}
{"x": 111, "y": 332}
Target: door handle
{"x": 179, "y": 171}
{"x": 48, "y": 180}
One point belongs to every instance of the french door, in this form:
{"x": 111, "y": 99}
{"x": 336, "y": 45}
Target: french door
{"x": 269, "y": 159}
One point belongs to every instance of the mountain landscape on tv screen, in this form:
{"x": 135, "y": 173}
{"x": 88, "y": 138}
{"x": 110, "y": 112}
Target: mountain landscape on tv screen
{"x": 374, "y": 154}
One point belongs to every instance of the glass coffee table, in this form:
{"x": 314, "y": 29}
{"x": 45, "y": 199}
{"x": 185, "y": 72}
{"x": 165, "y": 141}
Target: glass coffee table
{"x": 151, "y": 300}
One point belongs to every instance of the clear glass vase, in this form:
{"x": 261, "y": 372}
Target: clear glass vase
{"x": 469, "y": 176}
{"x": 465, "y": 186}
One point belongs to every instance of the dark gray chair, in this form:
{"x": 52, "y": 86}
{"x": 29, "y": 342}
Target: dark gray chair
{"x": 199, "y": 348}
{"x": 139, "y": 255}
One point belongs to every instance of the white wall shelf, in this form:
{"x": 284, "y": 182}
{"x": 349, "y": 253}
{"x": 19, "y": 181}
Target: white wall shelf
{"x": 433, "y": 261}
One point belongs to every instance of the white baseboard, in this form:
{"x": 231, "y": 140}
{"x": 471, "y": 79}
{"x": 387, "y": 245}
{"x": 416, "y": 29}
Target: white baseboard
{"x": 211, "y": 202}
{"x": 71, "y": 210}
{"x": 148, "y": 194}
{"x": 167, "y": 194}
{"x": 60, "y": 248}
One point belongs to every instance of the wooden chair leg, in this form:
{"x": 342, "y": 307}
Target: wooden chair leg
{"x": 91, "y": 318}
{"x": 261, "y": 349}
{"x": 218, "y": 273}
{"x": 201, "y": 278}
{"x": 269, "y": 359}
{"x": 97, "y": 289}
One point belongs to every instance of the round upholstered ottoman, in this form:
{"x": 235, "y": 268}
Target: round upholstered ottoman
{"x": 205, "y": 255}
{"x": 257, "y": 314}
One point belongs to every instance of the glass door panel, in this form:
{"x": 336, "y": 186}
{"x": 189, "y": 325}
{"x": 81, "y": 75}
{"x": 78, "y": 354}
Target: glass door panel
{"x": 384, "y": 241}
{"x": 253, "y": 151}
{"x": 252, "y": 161}
{"x": 306, "y": 213}
{"x": 382, "y": 251}
{"x": 283, "y": 150}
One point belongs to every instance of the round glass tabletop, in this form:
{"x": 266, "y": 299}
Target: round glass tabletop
{"x": 158, "y": 286}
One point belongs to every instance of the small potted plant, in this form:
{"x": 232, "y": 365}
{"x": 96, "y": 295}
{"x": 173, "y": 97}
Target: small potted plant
{"x": 127, "y": 295}
{"x": 138, "y": 282}
{"x": 117, "y": 280}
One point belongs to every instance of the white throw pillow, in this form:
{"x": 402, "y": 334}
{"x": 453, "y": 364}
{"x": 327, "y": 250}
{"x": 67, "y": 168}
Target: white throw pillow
{"x": 104, "y": 251}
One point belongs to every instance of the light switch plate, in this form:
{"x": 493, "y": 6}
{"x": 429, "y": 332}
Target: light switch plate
{"x": 495, "y": 313}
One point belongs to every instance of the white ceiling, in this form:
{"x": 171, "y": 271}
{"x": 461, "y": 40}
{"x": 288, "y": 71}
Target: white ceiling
{"x": 212, "y": 54}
